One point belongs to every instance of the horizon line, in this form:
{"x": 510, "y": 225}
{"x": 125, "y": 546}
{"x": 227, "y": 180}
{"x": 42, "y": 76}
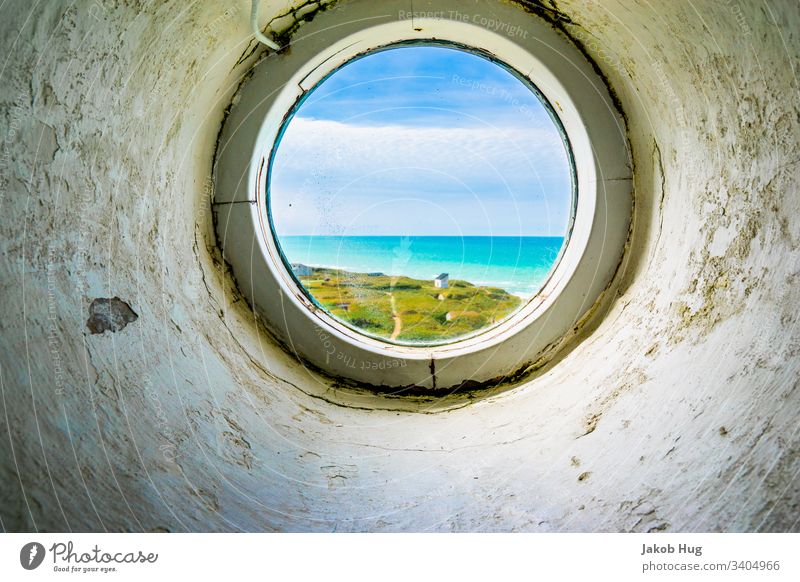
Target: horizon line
{"x": 435, "y": 235}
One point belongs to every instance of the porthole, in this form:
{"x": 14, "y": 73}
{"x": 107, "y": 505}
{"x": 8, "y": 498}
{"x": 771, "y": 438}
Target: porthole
{"x": 421, "y": 194}
{"x": 262, "y": 162}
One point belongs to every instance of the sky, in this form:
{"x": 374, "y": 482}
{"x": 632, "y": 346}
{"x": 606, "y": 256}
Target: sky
{"x": 421, "y": 141}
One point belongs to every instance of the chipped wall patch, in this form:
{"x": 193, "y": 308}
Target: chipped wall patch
{"x": 109, "y": 315}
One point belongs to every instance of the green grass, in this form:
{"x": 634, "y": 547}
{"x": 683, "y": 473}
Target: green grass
{"x": 364, "y": 302}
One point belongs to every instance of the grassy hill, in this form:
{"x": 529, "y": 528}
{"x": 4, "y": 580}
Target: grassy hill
{"x": 405, "y": 309}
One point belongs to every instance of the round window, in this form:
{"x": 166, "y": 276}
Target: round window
{"x": 421, "y": 194}
{"x": 417, "y": 202}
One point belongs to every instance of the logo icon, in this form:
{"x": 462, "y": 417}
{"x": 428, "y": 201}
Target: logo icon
{"x": 31, "y": 555}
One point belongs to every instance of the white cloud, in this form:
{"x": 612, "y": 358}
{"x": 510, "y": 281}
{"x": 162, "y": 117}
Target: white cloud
{"x": 330, "y": 171}
{"x": 367, "y": 148}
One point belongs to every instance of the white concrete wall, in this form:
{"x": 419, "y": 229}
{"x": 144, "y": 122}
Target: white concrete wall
{"x": 676, "y": 409}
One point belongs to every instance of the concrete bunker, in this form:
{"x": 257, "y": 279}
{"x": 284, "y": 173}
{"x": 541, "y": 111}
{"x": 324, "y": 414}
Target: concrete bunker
{"x": 672, "y": 405}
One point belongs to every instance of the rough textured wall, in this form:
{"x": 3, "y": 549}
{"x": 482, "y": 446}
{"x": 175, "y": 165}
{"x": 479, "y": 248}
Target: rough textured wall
{"x": 678, "y": 410}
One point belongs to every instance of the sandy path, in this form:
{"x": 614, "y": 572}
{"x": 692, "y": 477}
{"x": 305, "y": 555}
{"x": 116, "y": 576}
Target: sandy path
{"x": 398, "y": 323}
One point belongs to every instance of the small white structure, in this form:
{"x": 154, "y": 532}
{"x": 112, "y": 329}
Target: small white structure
{"x": 301, "y": 270}
{"x": 442, "y": 281}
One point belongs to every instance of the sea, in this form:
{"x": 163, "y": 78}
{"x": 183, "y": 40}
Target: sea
{"x": 519, "y": 265}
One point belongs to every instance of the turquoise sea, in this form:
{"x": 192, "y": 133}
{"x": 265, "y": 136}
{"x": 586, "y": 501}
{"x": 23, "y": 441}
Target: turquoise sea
{"x": 519, "y": 265}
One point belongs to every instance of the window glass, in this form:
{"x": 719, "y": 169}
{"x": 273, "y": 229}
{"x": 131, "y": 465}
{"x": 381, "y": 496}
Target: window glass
{"x": 421, "y": 194}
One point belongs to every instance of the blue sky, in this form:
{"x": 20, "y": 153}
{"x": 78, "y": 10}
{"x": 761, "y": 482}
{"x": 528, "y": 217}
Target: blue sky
{"x": 421, "y": 141}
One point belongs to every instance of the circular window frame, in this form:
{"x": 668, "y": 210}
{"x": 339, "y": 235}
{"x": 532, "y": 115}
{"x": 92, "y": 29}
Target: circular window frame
{"x": 327, "y": 318}
{"x": 589, "y": 259}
